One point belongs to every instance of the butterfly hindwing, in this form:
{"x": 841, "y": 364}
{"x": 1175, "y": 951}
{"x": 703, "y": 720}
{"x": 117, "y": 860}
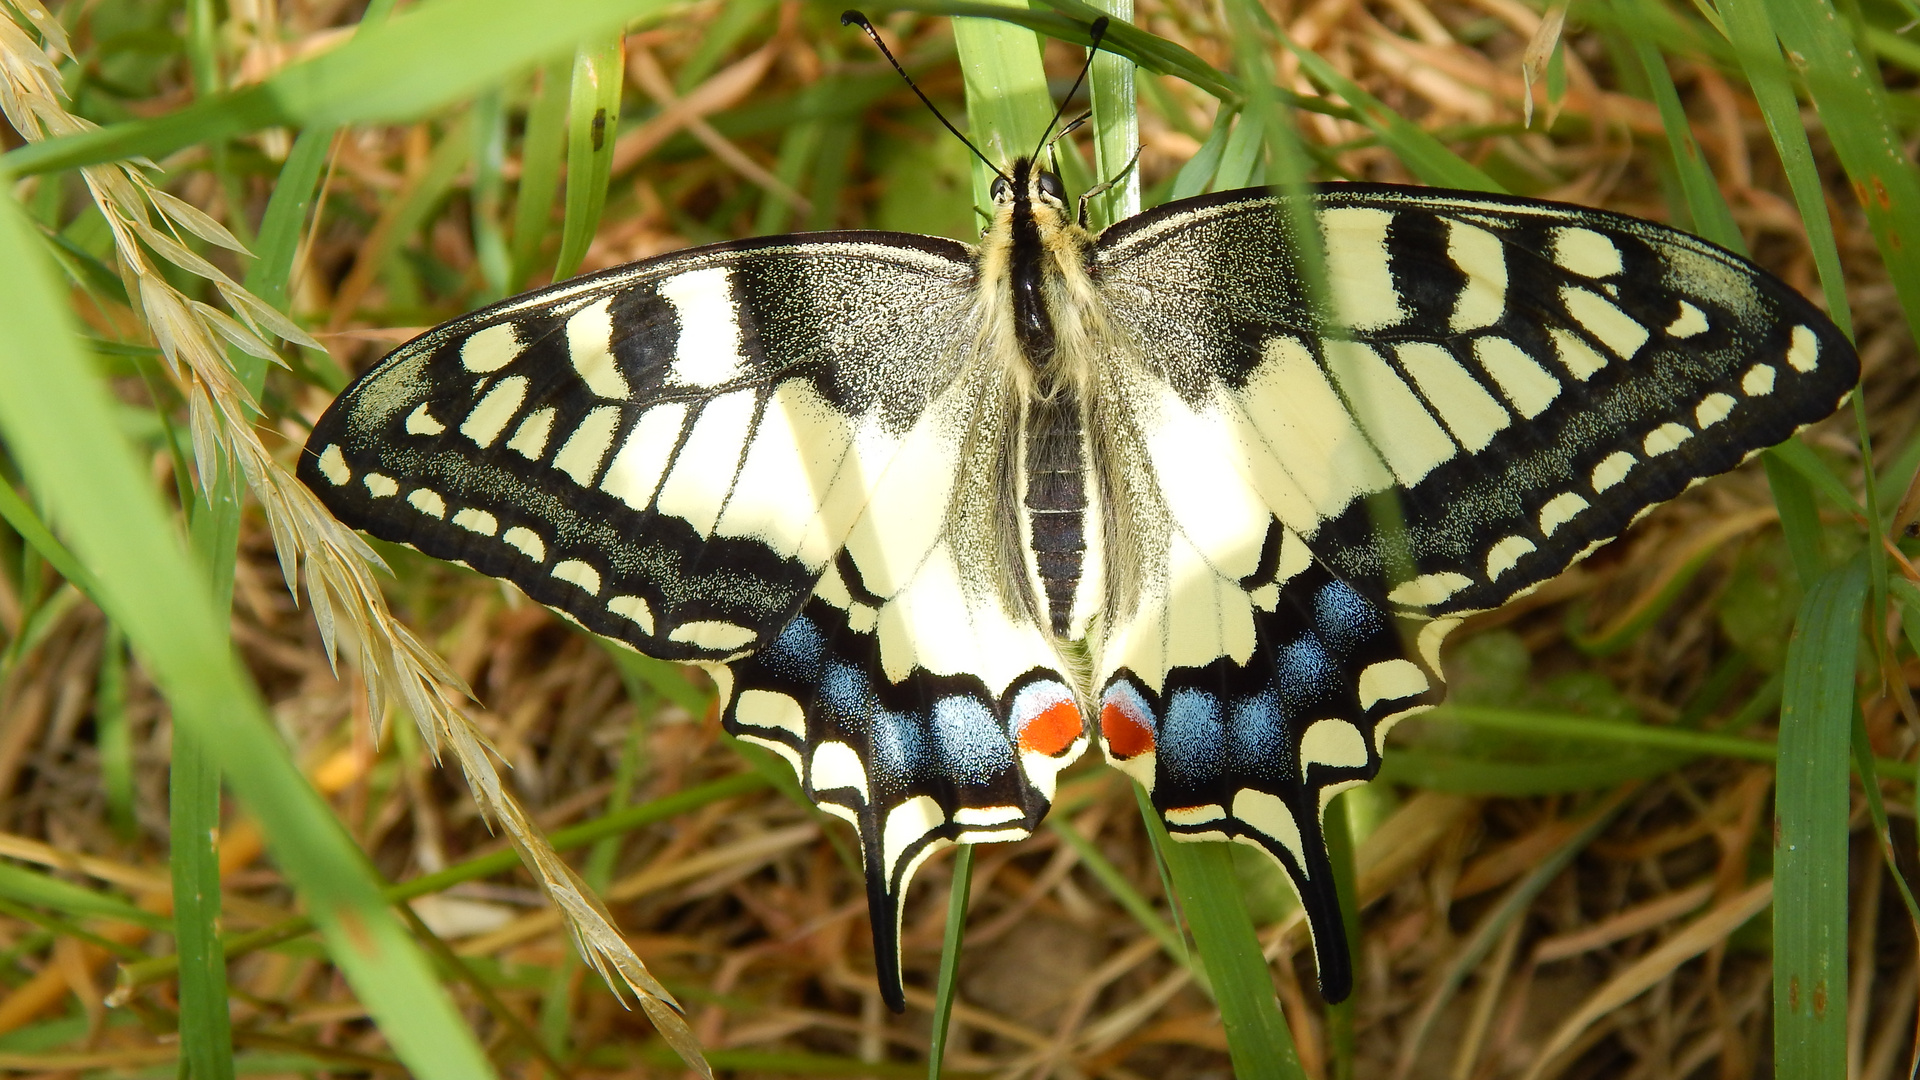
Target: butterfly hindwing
{"x": 913, "y": 697}
{"x": 669, "y": 453}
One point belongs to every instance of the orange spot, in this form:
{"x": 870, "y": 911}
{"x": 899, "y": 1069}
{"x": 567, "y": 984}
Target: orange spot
{"x": 1126, "y": 735}
{"x": 1053, "y": 730}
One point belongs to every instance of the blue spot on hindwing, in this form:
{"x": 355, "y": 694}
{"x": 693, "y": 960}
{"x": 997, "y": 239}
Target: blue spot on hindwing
{"x": 970, "y": 745}
{"x": 1192, "y": 743}
{"x": 899, "y": 747}
{"x": 1343, "y": 617}
{"x": 1257, "y": 731}
{"x": 796, "y": 653}
{"x": 847, "y": 695}
{"x": 1308, "y": 675}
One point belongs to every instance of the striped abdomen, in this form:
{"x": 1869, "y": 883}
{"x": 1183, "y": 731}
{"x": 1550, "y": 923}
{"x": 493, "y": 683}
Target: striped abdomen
{"x": 1055, "y": 502}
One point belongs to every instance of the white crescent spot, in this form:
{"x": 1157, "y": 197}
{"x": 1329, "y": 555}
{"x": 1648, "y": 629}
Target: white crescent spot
{"x": 333, "y": 466}
{"x": 578, "y": 573}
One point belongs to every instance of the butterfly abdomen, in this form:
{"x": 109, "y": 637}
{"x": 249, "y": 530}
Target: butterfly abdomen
{"x": 1055, "y": 503}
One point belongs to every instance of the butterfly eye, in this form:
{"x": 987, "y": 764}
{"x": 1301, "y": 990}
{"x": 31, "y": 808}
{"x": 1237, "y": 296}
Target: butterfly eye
{"x": 1000, "y": 188}
{"x": 1050, "y": 187}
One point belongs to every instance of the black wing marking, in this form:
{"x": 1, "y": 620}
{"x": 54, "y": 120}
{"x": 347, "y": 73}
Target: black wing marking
{"x": 667, "y": 452}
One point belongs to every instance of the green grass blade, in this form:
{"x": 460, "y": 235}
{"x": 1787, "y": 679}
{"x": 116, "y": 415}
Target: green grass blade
{"x": 1810, "y": 842}
{"x": 24, "y": 886}
{"x": 491, "y": 255}
{"x": 632, "y": 817}
{"x": 1008, "y": 105}
{"x": 1243, "y": 159}
{"x": 1116, "y": 126}
{"x": 113, "y": 733}
{"x": 1707, "y": 207}
{"x": 1427, "y": 156}
{"x": 667, "y": 679}
{"x": 1197, "y": 175}
{"x": 1149, "y": 51}
{"x": 540, "y": 157}
{"x": 947, "y": 983}
{"x": 58, "y": 424}
{"x": 1122, "y": 890}
{"x": 1868, "y": 767}
{"x": 1690, "y": 742}
{"x": 431, "y": 56}
{"x": 1257, "y": 1037}
{"x": 1751, "y": 32}
{"x": 21, "y": 518}
{"x": 1338, "y": 830}
{"x": 1799, "y": 457}
{"x": 281, "y": 230}
{"x": 593, "y": 118}
{"x": 194, "y": 798}
{"x": 1799, "y": 517}
{"x": 1854, "y": 110}
{"x": 193, "y": 824}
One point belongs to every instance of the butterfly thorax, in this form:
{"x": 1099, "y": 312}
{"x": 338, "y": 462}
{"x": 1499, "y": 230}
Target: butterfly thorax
{"x": 1044, "y": 328}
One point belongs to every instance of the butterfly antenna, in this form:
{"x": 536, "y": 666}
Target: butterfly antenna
{"x": 1097, "y": 31}
{"x": 851, "y": 17}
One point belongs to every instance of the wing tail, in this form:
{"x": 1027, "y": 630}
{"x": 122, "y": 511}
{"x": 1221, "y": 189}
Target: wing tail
{"x": 915, "y": 761}
{"x": 1253, "y": 744}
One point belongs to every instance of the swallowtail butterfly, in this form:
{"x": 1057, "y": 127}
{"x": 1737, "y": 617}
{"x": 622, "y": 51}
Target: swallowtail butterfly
{"x": 937, "y": 516}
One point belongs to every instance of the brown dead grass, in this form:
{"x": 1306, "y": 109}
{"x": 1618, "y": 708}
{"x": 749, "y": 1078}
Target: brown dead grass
{"x": 1629, "y": 964}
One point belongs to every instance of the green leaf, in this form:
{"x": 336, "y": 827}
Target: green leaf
{"x": 949, "y": 978}
{"x": 593, "y": 118}
{"x": 1811, "y": 803}
{"x": 1258, "y": 1041}
{"x": 1853, "y": 107}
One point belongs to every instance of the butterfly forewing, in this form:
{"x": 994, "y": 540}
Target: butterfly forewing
{"x": 1524, "y": 378}
{"x": 669, "y": 453}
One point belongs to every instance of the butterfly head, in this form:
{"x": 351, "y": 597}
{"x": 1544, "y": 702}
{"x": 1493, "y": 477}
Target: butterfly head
{"x": 1032, "y": 184}
{"x": 1029, "y": 202}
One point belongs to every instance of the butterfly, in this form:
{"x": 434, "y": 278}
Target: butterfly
{"x": 938, "y": 516}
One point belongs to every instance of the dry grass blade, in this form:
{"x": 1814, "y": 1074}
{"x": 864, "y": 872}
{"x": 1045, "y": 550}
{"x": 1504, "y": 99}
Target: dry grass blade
{"x": 1533, "y": 63}
{"x": 1692, "y": 940}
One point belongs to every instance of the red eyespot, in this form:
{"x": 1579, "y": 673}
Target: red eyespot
{"x": 1127, "y": 734}
{"x": 1053, "y": 730}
